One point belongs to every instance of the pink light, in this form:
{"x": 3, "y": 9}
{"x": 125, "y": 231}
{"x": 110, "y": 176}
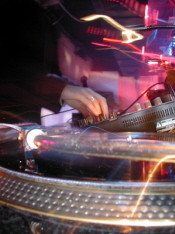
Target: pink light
{"x": 143, "y": 53}
{"x": 146, "y": 15}
{"x": 143, "y": 50}
{"x": 153, "y": 62}
{"x": 45, "y": 141}
{"x": 167, "y": 59}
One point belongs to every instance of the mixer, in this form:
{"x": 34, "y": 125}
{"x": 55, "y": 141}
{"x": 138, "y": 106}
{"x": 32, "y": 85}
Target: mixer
{"x": 157, "y": 116}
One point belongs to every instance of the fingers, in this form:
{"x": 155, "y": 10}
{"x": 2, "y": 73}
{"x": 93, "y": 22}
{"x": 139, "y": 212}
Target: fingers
{"x": 100, "y": 103}
{"x": 95, "y": 102}
{"x": 87, "y": 99}
{"x": 92, "y": 106}
{"x": 78, "y": 106}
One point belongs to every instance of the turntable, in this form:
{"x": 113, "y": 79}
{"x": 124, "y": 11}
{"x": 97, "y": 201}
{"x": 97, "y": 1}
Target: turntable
{"x": 59, "y": 178}
{"x": 99, "y": 175}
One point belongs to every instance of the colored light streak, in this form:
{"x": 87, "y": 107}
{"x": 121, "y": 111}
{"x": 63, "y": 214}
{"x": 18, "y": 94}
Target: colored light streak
{"x": 122, "y": 42}
{"x": 161, "y": 56}
{"x": 115, "y": 48}
{"x": 143, "y": 50}
{"x": 128, "y": 35}
{"x": 146, "y": 16}
{"x": 157, "y": 56}
{"x": 148, "y": 181}
{"x": 166, "y": 59}
{"x": 153, "y": 62}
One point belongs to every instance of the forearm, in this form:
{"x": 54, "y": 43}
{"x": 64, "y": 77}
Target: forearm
{"x": 49, "y": 88}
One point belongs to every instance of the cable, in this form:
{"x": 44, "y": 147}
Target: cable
{"x": 47, "y": 4}
{"x": 143, "y": 26}
{"x": 134, "y": 26}
{"x": 124, "y": 111}
{"x": 154, "y": 27}
{"x": 93, "y": 127}
{"x": 69, "y": 14}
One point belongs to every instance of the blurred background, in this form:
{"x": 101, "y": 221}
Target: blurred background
{"x": 96, "y": 54}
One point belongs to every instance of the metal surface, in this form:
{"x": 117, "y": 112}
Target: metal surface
{"x": 85, "y": 201}
{"x": 92, "y": 201}
{"x": 140, "y": 121}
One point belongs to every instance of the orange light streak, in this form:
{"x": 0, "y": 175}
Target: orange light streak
{"x": 122, "y": 42}
{"x": 167, "y": 59}
{"x": 128, "y": 35}
{"x": 148, "y": 181}
{"x": 115, "y": 48}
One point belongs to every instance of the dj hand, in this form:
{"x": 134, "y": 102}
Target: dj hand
{"x": 85, "y": 100}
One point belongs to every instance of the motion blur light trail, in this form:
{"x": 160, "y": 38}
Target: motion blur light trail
{"x": 128, "y": 35}
{"x": 122, "y": 42}
{"x": 116, "y": 48}
{"x": 148, "y": 181}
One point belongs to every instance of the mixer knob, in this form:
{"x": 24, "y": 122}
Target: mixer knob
{"x": 112, "y": 115}
{"x": 82, "y": 123}
{"x": 147, "y": 104}
{"x": 102, "y": 117}
{"x": 167, "y": 98}
{"x": 90, "y": 120}
{"x": 157, "y": 101}
{"x": 137, "y": 107}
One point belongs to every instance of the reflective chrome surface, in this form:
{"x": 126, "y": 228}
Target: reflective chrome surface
{"x": 88, "y": 201}
{"x": 136, "y": 197}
